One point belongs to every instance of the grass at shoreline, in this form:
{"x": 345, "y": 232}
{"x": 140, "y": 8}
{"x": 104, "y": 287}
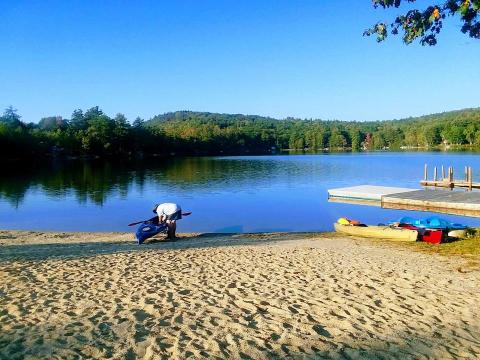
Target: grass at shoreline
{"x": 467, "y": 249}
{"x": 469, "y": 246}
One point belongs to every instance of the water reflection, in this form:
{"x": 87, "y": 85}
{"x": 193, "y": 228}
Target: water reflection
{"x": 96, "y": 181}
{"x": 93, "y": 181}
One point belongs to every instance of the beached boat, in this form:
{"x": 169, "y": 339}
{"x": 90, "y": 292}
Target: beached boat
{"x": 378, "y": 232}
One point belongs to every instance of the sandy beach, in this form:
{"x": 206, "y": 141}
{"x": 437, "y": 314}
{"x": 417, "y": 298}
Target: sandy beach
{"x": 257, "y": 296}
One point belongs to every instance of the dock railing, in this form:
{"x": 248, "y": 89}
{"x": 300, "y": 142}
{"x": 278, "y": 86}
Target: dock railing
{"x": 449, "y": 180}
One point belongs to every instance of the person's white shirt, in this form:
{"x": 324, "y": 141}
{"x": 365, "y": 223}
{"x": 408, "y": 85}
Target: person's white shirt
{"x": 168, "y": 209}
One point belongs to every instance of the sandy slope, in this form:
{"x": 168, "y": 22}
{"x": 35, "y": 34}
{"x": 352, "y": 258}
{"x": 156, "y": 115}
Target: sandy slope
{"x": 231, "y": 296}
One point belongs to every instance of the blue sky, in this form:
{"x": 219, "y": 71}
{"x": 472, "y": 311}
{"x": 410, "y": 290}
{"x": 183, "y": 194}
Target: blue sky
{"x": 271, "y": 57}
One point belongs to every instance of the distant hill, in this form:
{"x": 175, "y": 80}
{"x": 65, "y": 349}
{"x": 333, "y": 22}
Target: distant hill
{"x": 444, "y": 116}
{"x": 459, "y": 127}
{"x": 205, "y": 117}
{"x": 186, "y": 115}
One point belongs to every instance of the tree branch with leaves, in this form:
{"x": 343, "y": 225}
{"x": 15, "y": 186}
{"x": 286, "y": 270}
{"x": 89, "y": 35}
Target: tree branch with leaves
{"x": 426, "y": 25}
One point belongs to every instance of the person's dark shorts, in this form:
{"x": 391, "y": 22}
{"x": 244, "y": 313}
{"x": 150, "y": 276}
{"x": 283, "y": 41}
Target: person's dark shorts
{"x": 175, "y": 216}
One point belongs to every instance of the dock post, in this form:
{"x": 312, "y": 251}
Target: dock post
{"x": 470, "y": 180}
{"x": 425, "y": 173}
{"x": 466, "y": 173}
{"x": 443, "y": 173}
{"x": 435, "y": 175}
{"x": 450, "y": 177}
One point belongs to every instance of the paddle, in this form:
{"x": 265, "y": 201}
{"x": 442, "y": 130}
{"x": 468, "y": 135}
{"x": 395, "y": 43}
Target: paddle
{"x": 139, "y": 222}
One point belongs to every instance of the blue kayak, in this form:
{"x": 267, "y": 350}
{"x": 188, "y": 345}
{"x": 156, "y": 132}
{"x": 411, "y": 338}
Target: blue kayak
{"x": 146, "y": 230}
{"x": 433, "y": 222}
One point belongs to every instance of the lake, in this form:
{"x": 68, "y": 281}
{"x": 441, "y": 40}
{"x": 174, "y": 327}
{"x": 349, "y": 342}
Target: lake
{"x": 225, "y": 194}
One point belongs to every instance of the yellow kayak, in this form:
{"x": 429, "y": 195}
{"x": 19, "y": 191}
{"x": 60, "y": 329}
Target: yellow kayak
{"x": 378, "y": 232}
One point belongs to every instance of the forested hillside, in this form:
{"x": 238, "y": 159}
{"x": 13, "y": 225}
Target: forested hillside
{"x": 93, "y": 133}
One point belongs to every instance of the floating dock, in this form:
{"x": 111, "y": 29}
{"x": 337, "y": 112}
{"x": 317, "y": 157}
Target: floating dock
{"x": 441, "y": 201}
{"x": 368, "y": 194}
{"x": 448, "y": 202}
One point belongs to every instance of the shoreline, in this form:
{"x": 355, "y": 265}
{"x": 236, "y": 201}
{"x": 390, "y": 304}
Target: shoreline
{"x": 262, "y": 295}
{"x": 74, "y": 243}
{"x": 34, "y": 237}
{"x": 47, "y": 158}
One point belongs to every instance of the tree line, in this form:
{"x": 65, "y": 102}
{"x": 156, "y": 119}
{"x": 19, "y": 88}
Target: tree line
{"x": 93, "y": 133}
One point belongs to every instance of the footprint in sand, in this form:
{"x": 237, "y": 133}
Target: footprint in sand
{"x": 293, "y": 310}
{"x": 140, "y": 315}
{"x": 320, "y": 330}
{"x": 178, "y": 319}
{"x": 275, "y": 337}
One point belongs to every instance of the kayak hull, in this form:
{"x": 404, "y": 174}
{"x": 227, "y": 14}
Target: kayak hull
{"x": 146, "y": 231}
{"x": 459, "y": 234}
{"x": 378, "y": 232}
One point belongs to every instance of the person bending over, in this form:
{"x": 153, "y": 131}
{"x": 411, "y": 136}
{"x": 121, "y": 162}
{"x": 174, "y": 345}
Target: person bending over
{"x": 169, "y": 213}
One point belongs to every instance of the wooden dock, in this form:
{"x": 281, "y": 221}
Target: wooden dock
{"x": 439, "y": 200}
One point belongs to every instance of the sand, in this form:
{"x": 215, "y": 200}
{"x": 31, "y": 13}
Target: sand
{"x": 260, "y": 296}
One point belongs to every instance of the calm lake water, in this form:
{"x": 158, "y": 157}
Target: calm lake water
{"x": 225, "y": 194}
